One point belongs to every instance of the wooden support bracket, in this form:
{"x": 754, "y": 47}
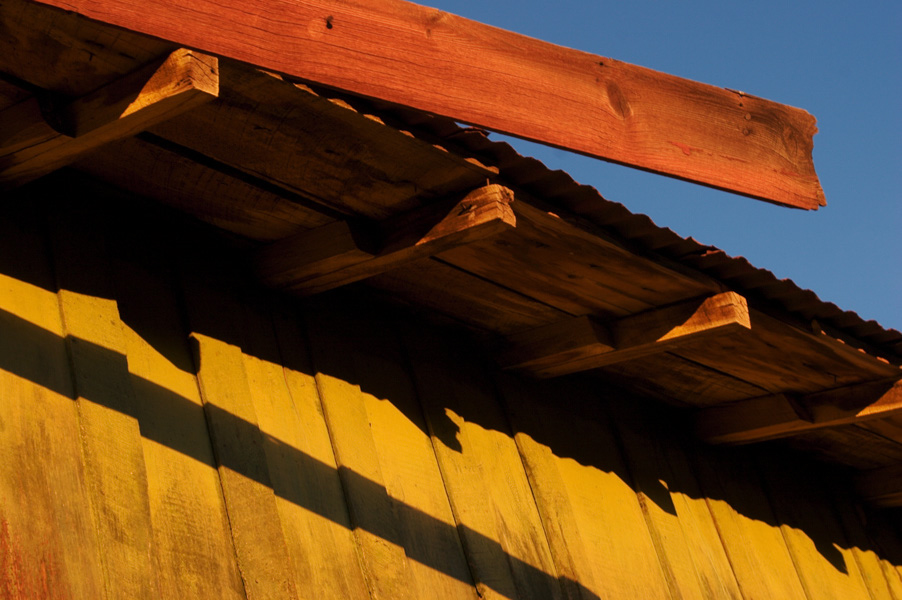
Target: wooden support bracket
{"x": 584, "y": 343}
{"x": 882, "y": 487}
{"x": 340, "y": 253}
{"x": 36, "y": 139}
{"x": 783, "y": 415}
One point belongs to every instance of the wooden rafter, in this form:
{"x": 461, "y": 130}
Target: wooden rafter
{"x": 343, "y": 252}
{"x": 782, "y": 415}
{"x": 585, "y": 343}
{"x": 36, "y": 139}
{"x": 437, "y": 62}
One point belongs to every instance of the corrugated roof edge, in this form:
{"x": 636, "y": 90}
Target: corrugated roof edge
{"x": 557, "y": 187}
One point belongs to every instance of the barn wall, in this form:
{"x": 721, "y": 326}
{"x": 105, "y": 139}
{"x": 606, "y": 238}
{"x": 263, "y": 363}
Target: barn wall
{"x": 168, "y": 430}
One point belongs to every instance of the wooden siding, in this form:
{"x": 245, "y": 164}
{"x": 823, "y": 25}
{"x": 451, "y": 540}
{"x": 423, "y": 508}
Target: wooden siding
{"x": 168, "y": 430}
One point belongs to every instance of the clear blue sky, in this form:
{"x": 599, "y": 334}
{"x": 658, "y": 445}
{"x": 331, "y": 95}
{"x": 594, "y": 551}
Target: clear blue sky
{"x": 840, "y": 61}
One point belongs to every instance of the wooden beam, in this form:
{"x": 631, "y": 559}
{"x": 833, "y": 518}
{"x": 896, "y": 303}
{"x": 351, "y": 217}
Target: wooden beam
{"x": 434, "y": 61}
{"x": 584, "y": 343}
{"x": 882, "y": 487}
{"x": 36, "y": 139}
{"x": 344, "y": 252}
{"x": 782, "y": 415}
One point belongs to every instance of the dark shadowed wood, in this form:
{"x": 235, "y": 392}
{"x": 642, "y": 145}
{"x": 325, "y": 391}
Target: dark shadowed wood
{"x": 565, "y": 262}
{"x": 440, "y": 63}
{"x": 583, "y": 343}
{"x": 319, "y": 147}
{"x": 341, "y": 253}
{"x": 882, "y": 487}
{"x": 780, "y": 415}
{"x": 32, "y": 147}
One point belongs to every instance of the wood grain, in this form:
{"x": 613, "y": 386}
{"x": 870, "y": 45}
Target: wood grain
{"x": 487, "y": 486}
{"x": 341, "y": 253}
{"x": 194, "y": 552}
{"x": 399, "y": 509}
{"x": 257, "y": 534}
{"x": 437, "y": 62}
{"x": 120, "y": 109}
{"x": 304, "y": 474}
{"x": 584, "y": 343}
{"x": 613, "y": 550}
{"x": 115, "y": 467}
{"x": 779, "y": 415}
{"x": 573, "y": 266}
{"x": 49, "y": 544}
{"x": 349, "y": 162}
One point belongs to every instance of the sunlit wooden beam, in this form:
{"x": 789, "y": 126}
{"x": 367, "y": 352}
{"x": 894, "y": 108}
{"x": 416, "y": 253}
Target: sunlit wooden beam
{"x": 436, "y": 62}
{"x": 344, "y": 252}
{"x": 585, "y": 343}
{"x": 39, "y": 137}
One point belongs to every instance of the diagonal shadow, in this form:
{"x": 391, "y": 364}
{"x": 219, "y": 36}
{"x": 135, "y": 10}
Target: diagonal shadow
{"x": 28, "y": 350}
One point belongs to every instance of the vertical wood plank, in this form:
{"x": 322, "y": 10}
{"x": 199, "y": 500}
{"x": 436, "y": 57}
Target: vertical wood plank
{"x": 811, "y": 528}
{"x": 882, "y": 579}
{"x": 581, "y": 452}
{"x": 195, "y": 556}
{"x": 48, "y": 540}
{"x": 237, "y": 441}
{"x": 678, "y": 518}
{"x": 746, "y": 524}
{"x": 111, "y": 437}
{"x": 487, "y": 486}
{"x": 302, "y": 466}
{"x": 392, "y": 481}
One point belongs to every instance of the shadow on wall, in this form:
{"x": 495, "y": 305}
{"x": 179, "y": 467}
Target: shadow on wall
{"x": 445, "y": 390}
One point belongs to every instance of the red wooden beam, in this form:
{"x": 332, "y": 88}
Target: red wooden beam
{"x": 437, "y": 62}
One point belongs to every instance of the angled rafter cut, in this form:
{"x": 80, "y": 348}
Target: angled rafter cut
{"x": 399, "y": 52}
{"x": 35, "y": 139}
{"x": 783, "y": 415}
{"x": 585, "y": 343}
{"x": 343, "y": 252}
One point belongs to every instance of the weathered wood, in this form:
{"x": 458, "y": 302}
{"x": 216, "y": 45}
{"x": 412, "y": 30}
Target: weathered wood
{"x": 572, "y": 265}
{"x": 399, "y": 509}
{"x": 801, "y": 497}
{"x": 781, "y": 415}
{"x": 211, "y": 192}
{"x": 880, "y": 575}
{"x": 882, "y": 487}
{"x": 31, "y": 147}
{"x": 342, "y": 253}
{"x": 49, "y": 544}
{"x": 400, "y": 52}
{"x": 584, "y": 492}
{"x": 681, "y": 526}
{"x": 350, "y": 162}
{"x": 679, "y": 381}
{"x": 584, "y": 343}
{"x": 66, "y": 54}
{"x": 238, "y": 442}
{"x": 309, "y": 497}
{"x": 436, "y": 285}
{"x": 779, "y": 356}
{"x": 115, "y": 467}
{"x": 503, "y": 534}
{"x": 193, "y": 541}
{"x": 755, "y": 546}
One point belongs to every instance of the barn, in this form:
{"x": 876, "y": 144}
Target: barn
{"x": 275, "y": 324}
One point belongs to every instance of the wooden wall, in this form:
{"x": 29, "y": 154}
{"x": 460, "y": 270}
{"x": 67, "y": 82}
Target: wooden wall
{"x": 169, "y": 431}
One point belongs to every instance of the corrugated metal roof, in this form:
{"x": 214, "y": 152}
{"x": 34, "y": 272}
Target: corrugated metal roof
{"x": 559, "y": 188}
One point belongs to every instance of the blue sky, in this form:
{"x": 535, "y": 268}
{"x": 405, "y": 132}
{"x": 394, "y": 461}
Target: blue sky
{"x": 840, "y": 61}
